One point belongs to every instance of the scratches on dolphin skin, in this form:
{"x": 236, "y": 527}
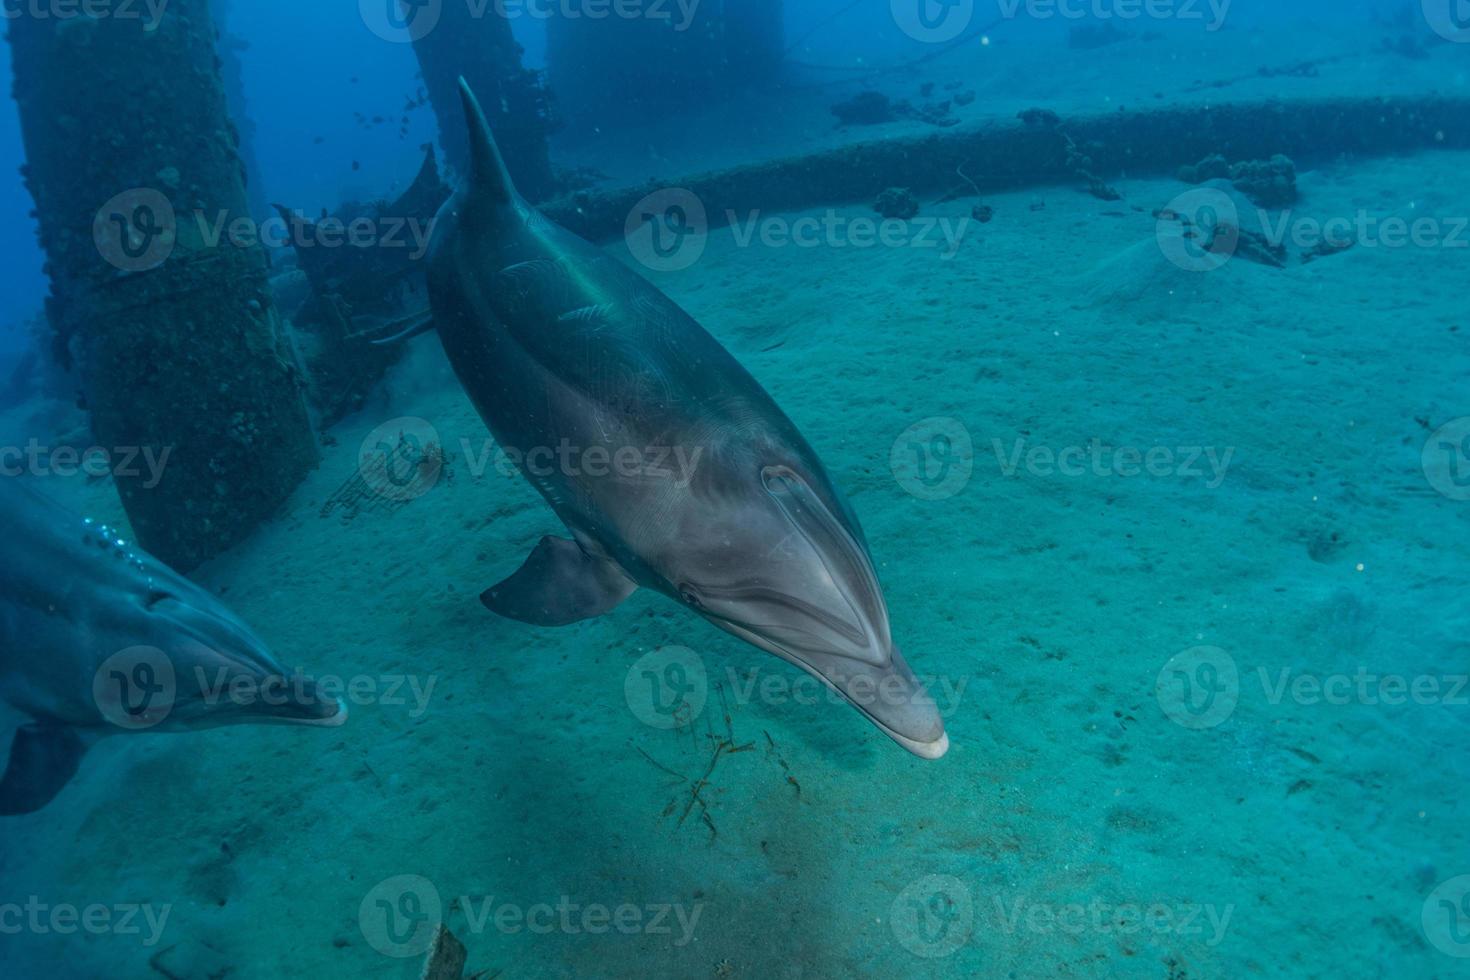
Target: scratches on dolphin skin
{"x": 587, "y": 314}
{"x": 519, "y": 285}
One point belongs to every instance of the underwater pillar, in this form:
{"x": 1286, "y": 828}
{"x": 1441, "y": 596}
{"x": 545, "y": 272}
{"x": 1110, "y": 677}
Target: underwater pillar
{"x": 232, "y": 52}
{"x": 482, "y": 48}
{"x": 158, "y": 287}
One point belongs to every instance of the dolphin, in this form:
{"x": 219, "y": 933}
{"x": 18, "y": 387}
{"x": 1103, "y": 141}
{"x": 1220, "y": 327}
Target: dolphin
{"x": 100, "y": 638}
{"x": 592, "y": 381}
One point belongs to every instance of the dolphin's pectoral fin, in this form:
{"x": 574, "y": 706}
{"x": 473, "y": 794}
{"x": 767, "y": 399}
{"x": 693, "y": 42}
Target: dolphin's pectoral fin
{"x": 42, "y": 761}
{"x": 559, "y": 584}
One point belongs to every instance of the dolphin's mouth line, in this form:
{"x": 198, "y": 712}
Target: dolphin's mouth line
{"x": 835, "y": 623}
{"x": 927, "y": 750}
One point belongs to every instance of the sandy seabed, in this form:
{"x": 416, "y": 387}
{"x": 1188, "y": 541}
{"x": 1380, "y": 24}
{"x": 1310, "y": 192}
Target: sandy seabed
{"x": 1083, "y": 825}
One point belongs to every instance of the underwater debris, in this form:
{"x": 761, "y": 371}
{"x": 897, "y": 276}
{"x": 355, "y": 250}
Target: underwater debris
{"x": 723, "y": 746}
{"x": 569, "y": 180}
{"x": 359, "y": 294}
{"x": 865, "y": 109}
{"x": 1090, "y": 37}
{"x": 872, "y": 108}
{"x": 1256, "y": 247}
{"x": 897, "y": 202}
{"x": 446, "y": 958}
{"x": 983, "y": 213}
{"x": 1211, "y": 167}
{"x": 1326, "y": 249}
{"x": 410, "y": 470}
{"x": 1270, "y": 183}
{"x": 1079, "y": 161}
{"x": 1039, "y": 118}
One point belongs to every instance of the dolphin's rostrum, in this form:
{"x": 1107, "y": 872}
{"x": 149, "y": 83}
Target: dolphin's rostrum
{"x": 98, "y": 638}
{"x": 559, "y": 344}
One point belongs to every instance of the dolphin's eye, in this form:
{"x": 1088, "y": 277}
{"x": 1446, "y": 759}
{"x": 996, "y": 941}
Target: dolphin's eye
{"x": 690, "y": 597}
{"x": 155, "y": 598}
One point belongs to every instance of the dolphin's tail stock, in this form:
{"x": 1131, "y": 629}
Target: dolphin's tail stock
{"x": 489, "y": 179}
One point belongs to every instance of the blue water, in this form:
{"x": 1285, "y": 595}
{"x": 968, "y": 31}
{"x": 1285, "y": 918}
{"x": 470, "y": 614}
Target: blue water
{"x": 1167, "y": 488}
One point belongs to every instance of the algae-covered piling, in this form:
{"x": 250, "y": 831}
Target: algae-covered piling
{"x": 482, "y": 50}
{"x": 158, "y": 287}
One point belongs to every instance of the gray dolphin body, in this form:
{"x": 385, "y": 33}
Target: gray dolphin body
{"x": 98, "y": 638}
{"x": 587, "y": 374}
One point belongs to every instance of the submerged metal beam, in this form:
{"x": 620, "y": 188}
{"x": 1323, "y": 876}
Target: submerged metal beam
{"x": 1015, "y": 154}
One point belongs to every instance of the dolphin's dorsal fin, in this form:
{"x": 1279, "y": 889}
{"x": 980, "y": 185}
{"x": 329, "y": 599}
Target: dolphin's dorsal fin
{"x": 488, "y": 177}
